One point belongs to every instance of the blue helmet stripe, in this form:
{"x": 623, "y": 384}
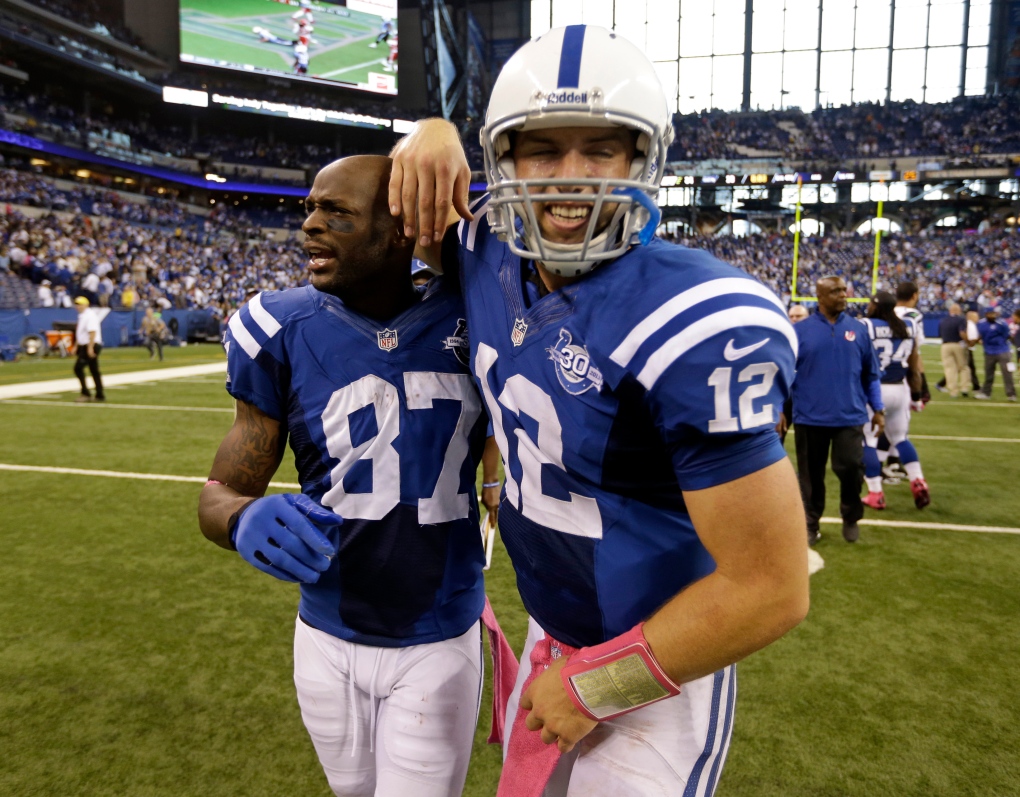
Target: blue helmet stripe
{"x": 570, "y": 57}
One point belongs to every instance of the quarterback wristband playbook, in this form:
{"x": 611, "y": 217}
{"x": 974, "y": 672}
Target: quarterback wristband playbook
{"x": 616, "y": 677}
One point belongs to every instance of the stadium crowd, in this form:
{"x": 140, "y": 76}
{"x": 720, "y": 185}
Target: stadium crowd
{"x": 174, "y": 258}
{"x": 119, "y": 261}
{"x": 975, "y": 270}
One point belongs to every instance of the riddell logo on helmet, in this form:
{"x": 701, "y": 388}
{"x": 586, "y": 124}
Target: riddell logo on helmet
{"x": 566, "y": 97}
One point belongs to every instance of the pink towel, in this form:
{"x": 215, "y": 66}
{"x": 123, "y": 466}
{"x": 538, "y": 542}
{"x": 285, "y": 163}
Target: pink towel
{"x": 504, "y": 672}
{"x": 529, "y": 763}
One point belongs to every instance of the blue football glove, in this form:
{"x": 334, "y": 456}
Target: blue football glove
{"x": 280, "y": 535}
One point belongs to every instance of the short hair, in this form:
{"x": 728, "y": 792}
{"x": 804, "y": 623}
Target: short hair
{"x": 905, "y": 291}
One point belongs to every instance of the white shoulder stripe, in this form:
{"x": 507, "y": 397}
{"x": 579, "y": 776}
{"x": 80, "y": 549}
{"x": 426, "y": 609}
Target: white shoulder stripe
{"x": 243, "y": 336}
{"x": 684, "y": 301}
{"x": 480, "y": 218}
{"x": 733, "y": 319}
{"x": 261, "y": 316}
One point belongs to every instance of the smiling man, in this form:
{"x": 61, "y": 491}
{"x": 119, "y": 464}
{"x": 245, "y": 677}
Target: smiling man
{"x": 368, "y": 378}
{"x": 651, "y": 514}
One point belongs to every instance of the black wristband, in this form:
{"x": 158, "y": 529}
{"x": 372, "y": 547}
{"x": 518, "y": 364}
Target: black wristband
{"x": 916, "y": 395}
{"x": 232, "y": 522}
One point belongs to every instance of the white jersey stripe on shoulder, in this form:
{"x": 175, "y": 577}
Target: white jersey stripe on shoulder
{"x": 684, "y": 301}
{"x": 733, "y": 318}
{"x": 243, "y": 336}
{"x": 480, "y": 218}
{"x": 482, "y": 200}
{"x": 261, "y": 316}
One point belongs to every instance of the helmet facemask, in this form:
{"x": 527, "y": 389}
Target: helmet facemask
{"x": 512, "y": 210}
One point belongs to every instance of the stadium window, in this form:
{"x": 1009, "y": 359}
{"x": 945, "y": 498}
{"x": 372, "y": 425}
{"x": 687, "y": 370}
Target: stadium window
{"x": 898, "y": 192}
{"x": 871, "y": 72}
{"x": 727, "y": 82}
{"x": 695, "y": 84}
{"x": 631, "y": 25}
{"x": 739, "y": 228}
{"x": 728, "y": 30}
{"x": 667, "y": 71}
{"x": 836, "y": 78}
{"x": 809, "y": 227}
{"x": 540, "y": 13}
{"x": 977, "y": 70}
{"x": 767, "y": 28}
{"x": 979, "y": 21}
{"x": 597, "y": 12}
{"x": 942, "y": 82}
{"x": 801, "y": 26}
{"x": 695, "y": 29}
{"x": 911, "y": 27}
{"x": 799, "y": 74}
{"x": 837, "y": 26}
{"x": 945, "y": 23}
{"x": 766, "y": 81}
{"x": 567, "y": 12}
{"x": 871, "y": 27}
{"x": 907, "y": 74}
{"x": 663, "y": 33}
{"x": 885, "y": 225}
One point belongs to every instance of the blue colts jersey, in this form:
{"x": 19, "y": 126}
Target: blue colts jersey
{"x": 387, "y": 430}
{"x": 893, "y": 353}
{"x": 660, "y": 372}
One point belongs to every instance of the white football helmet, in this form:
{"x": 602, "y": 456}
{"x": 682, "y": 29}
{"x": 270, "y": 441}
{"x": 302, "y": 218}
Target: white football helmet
{"x": 577, "y": 76}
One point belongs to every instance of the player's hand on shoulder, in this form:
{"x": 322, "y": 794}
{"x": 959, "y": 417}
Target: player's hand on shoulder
{"x": 282, "y": 535}
{"x": 430, "y": 174}
{"x": 551, "y": 711}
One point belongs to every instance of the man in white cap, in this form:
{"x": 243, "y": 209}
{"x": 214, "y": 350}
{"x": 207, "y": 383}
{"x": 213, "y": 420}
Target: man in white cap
{"x": 88, "y": 337}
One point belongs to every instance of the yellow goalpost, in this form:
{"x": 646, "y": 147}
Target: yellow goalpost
{"x": 794, "y": 296}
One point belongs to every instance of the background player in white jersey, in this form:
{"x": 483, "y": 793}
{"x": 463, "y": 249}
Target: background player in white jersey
{"x": 651, "y": 514}
{"x": 368, "y": 378}
{"x": 895, "y": 342}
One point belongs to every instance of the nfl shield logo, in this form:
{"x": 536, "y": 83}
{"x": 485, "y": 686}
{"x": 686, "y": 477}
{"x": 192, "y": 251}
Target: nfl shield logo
{"x": 388, "y": 339}
{"x": 520, "y": 330}
{"x": 849, "y": 335}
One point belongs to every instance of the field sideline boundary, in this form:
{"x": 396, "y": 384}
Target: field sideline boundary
{"x": 72, "y": 385}
{"x": 115, "y": 474}
{"x": 107, "y": 404}
{"x": 912, "y": 524}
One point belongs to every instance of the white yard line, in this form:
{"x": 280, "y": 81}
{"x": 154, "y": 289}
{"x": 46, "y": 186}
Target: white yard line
{"x": 167, "y": 408}
{"x": 965, "y": 439}
{"x": 131, "y": 378}
{"x": 116, "y": 474}
{"x": 911, "y": 524}
{"x": 963, "y": 403}
{"x": 333, "y": 73}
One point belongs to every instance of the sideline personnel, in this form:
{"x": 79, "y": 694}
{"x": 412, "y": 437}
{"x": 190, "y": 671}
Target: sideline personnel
{"x": 838, "y": 376}
{"x": 88, "y": 336}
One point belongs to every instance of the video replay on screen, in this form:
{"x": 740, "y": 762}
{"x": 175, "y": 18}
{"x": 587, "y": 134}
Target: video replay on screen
{"x": 353, "y": 45}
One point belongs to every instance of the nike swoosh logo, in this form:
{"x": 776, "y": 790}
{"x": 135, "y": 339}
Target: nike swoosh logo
{"x": 732, "y": 354}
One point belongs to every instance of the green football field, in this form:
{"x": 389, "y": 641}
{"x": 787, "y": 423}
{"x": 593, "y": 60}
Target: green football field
{"x": 221, "y": 30}
{"x": 137, "y": 659}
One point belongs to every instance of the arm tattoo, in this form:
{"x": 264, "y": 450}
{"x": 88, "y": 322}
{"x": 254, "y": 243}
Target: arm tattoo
{"x": 251, "y": 451}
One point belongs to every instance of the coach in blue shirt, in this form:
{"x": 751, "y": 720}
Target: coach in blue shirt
{"x": 838, "y": 377}
{"x": 995, "y": 339}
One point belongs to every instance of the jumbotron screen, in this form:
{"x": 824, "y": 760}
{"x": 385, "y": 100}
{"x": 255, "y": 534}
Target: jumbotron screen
{"x": 352, "y": 45}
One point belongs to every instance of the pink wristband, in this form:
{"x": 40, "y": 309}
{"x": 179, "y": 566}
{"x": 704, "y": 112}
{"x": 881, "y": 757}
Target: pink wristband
{"x": 215, "y": 481}
{"x": 616, "y": 677}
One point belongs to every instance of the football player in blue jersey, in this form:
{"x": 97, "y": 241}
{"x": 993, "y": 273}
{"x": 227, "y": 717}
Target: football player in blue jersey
{"x": 367, "y": 377}
{"x": 653, "y": 520}
{"x": 895, "y": 340}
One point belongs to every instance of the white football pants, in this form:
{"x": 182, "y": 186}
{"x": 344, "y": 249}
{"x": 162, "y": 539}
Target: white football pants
{"x": 896, "y": 398}
{"x": 390, "y": 722}
{"x": 671, "y": 748}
